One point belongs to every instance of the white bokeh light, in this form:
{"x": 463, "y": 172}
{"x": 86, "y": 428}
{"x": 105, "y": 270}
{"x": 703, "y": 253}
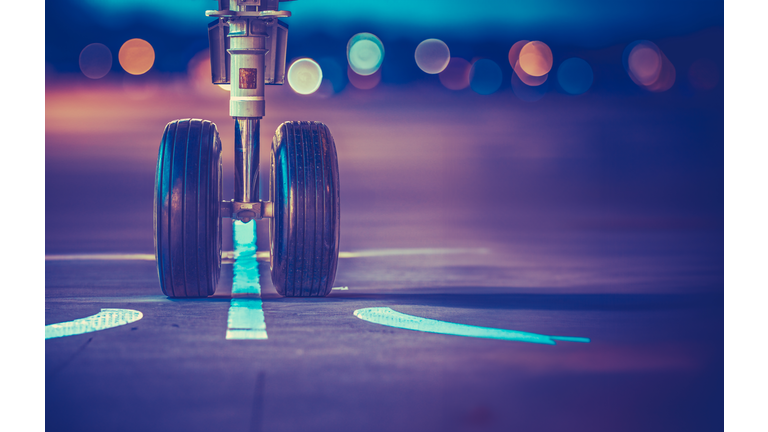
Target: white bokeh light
{"x": 432, "y": 56}
{"x": 305, "y": 76}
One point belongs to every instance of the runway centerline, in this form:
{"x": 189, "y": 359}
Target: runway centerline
{"x": 246, "y": 316}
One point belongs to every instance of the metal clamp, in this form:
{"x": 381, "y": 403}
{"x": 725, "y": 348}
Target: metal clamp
{"x": 246, "y": 211}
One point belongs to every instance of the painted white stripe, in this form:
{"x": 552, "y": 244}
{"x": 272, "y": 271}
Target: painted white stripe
{"x": 398, "y": 252}
{"x": 103, "y": 320}
{"x": 228, "y": 257}
{"x": 114, "y": 256}
{"x": 388, "y": 317}
{"x": 246, "y": 317}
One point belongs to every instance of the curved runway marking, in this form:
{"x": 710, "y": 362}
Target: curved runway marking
{"x": 388, "y": 317}
{"x": 103, "y": 320}
{"x": 246, "y": 317}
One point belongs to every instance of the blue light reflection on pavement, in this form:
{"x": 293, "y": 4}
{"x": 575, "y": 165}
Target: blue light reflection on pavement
{"x": 246, "y": 317}
{"x": 107, "y": 318}
{"x": 388, "y": 317}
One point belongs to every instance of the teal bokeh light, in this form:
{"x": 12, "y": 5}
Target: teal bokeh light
{"x": 365, "y": 53}
{"x": 575, "y": 76}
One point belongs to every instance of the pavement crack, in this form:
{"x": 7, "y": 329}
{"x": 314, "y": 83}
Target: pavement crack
{"x": 64, "y": 364}
{"x": 257, "y": 409}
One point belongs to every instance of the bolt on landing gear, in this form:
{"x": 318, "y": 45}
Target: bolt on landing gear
{"x": 247, "y": 46}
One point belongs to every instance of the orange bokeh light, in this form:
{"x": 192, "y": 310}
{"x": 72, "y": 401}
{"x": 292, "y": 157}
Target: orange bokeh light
{"x": 514, "y": 52}
{"x": 136, "y": 56}
{"x": 536, "y": 58}
{"x": 530, "y": 80}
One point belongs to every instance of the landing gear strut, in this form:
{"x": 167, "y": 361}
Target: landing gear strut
{"x": 248, "y": 46}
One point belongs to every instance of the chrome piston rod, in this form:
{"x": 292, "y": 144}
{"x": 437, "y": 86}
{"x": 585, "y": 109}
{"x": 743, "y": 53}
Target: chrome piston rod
{"x": 247, "y": 159}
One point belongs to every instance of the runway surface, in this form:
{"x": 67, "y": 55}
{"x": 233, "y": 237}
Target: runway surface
{"x": 594, "y": 217}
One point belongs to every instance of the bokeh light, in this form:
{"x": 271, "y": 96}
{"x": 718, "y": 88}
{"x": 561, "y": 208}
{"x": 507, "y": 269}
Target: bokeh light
{"x": 304, "y": 76}
{"x": 456, "y": 75}
{"x": 536, "y": 58}
{"x": 485, "y": 76}
{"x": 514, "y": 52}
{"x": 528, "y": 79}
{"x": 666, "y": 76}
{"x": 136, "y": 56}
{"x": 199, "y": 74}
{"x": 575, "y": 76}
{"x": 528, "y": 93}
{"x": 365, "y": 53}
{"x": 363, "y": 82}
{"x": 432, "y": 56}
{"x": 325, "y": 90}
{"x": 704, "y": 74}
{"x": 333, "y": 72}
{"x": 644, "y": 63}
{"x": 648, "y": 67}
{"x": 95, "y": 60}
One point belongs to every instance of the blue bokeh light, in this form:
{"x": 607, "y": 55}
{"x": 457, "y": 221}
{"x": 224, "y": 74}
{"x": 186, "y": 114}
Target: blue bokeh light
{"x": 333, "y": 72}
{"x": 575, "y": 76}
{"x": 95, "y": 60}
{"x": 485, "y": 76}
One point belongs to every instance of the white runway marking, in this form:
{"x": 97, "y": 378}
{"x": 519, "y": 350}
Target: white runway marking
{"x": 106, "y": 256}
{"x": 419, "y": 251}
{"x": 103, "y": 320}
{"x": 246, "y": 317}
{"x": 388, "y": 317}
{"x": 228, "y": 257}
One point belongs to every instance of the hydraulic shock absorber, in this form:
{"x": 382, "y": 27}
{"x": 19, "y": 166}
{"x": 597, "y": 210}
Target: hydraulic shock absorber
{"x": 248, "y": 44}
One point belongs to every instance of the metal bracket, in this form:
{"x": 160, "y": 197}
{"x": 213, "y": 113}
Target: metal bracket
{"x": 248, "y": 14}
{"x": 246, "y": 212}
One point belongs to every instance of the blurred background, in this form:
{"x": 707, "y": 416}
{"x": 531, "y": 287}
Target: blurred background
{"x": 568, "y": 122}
